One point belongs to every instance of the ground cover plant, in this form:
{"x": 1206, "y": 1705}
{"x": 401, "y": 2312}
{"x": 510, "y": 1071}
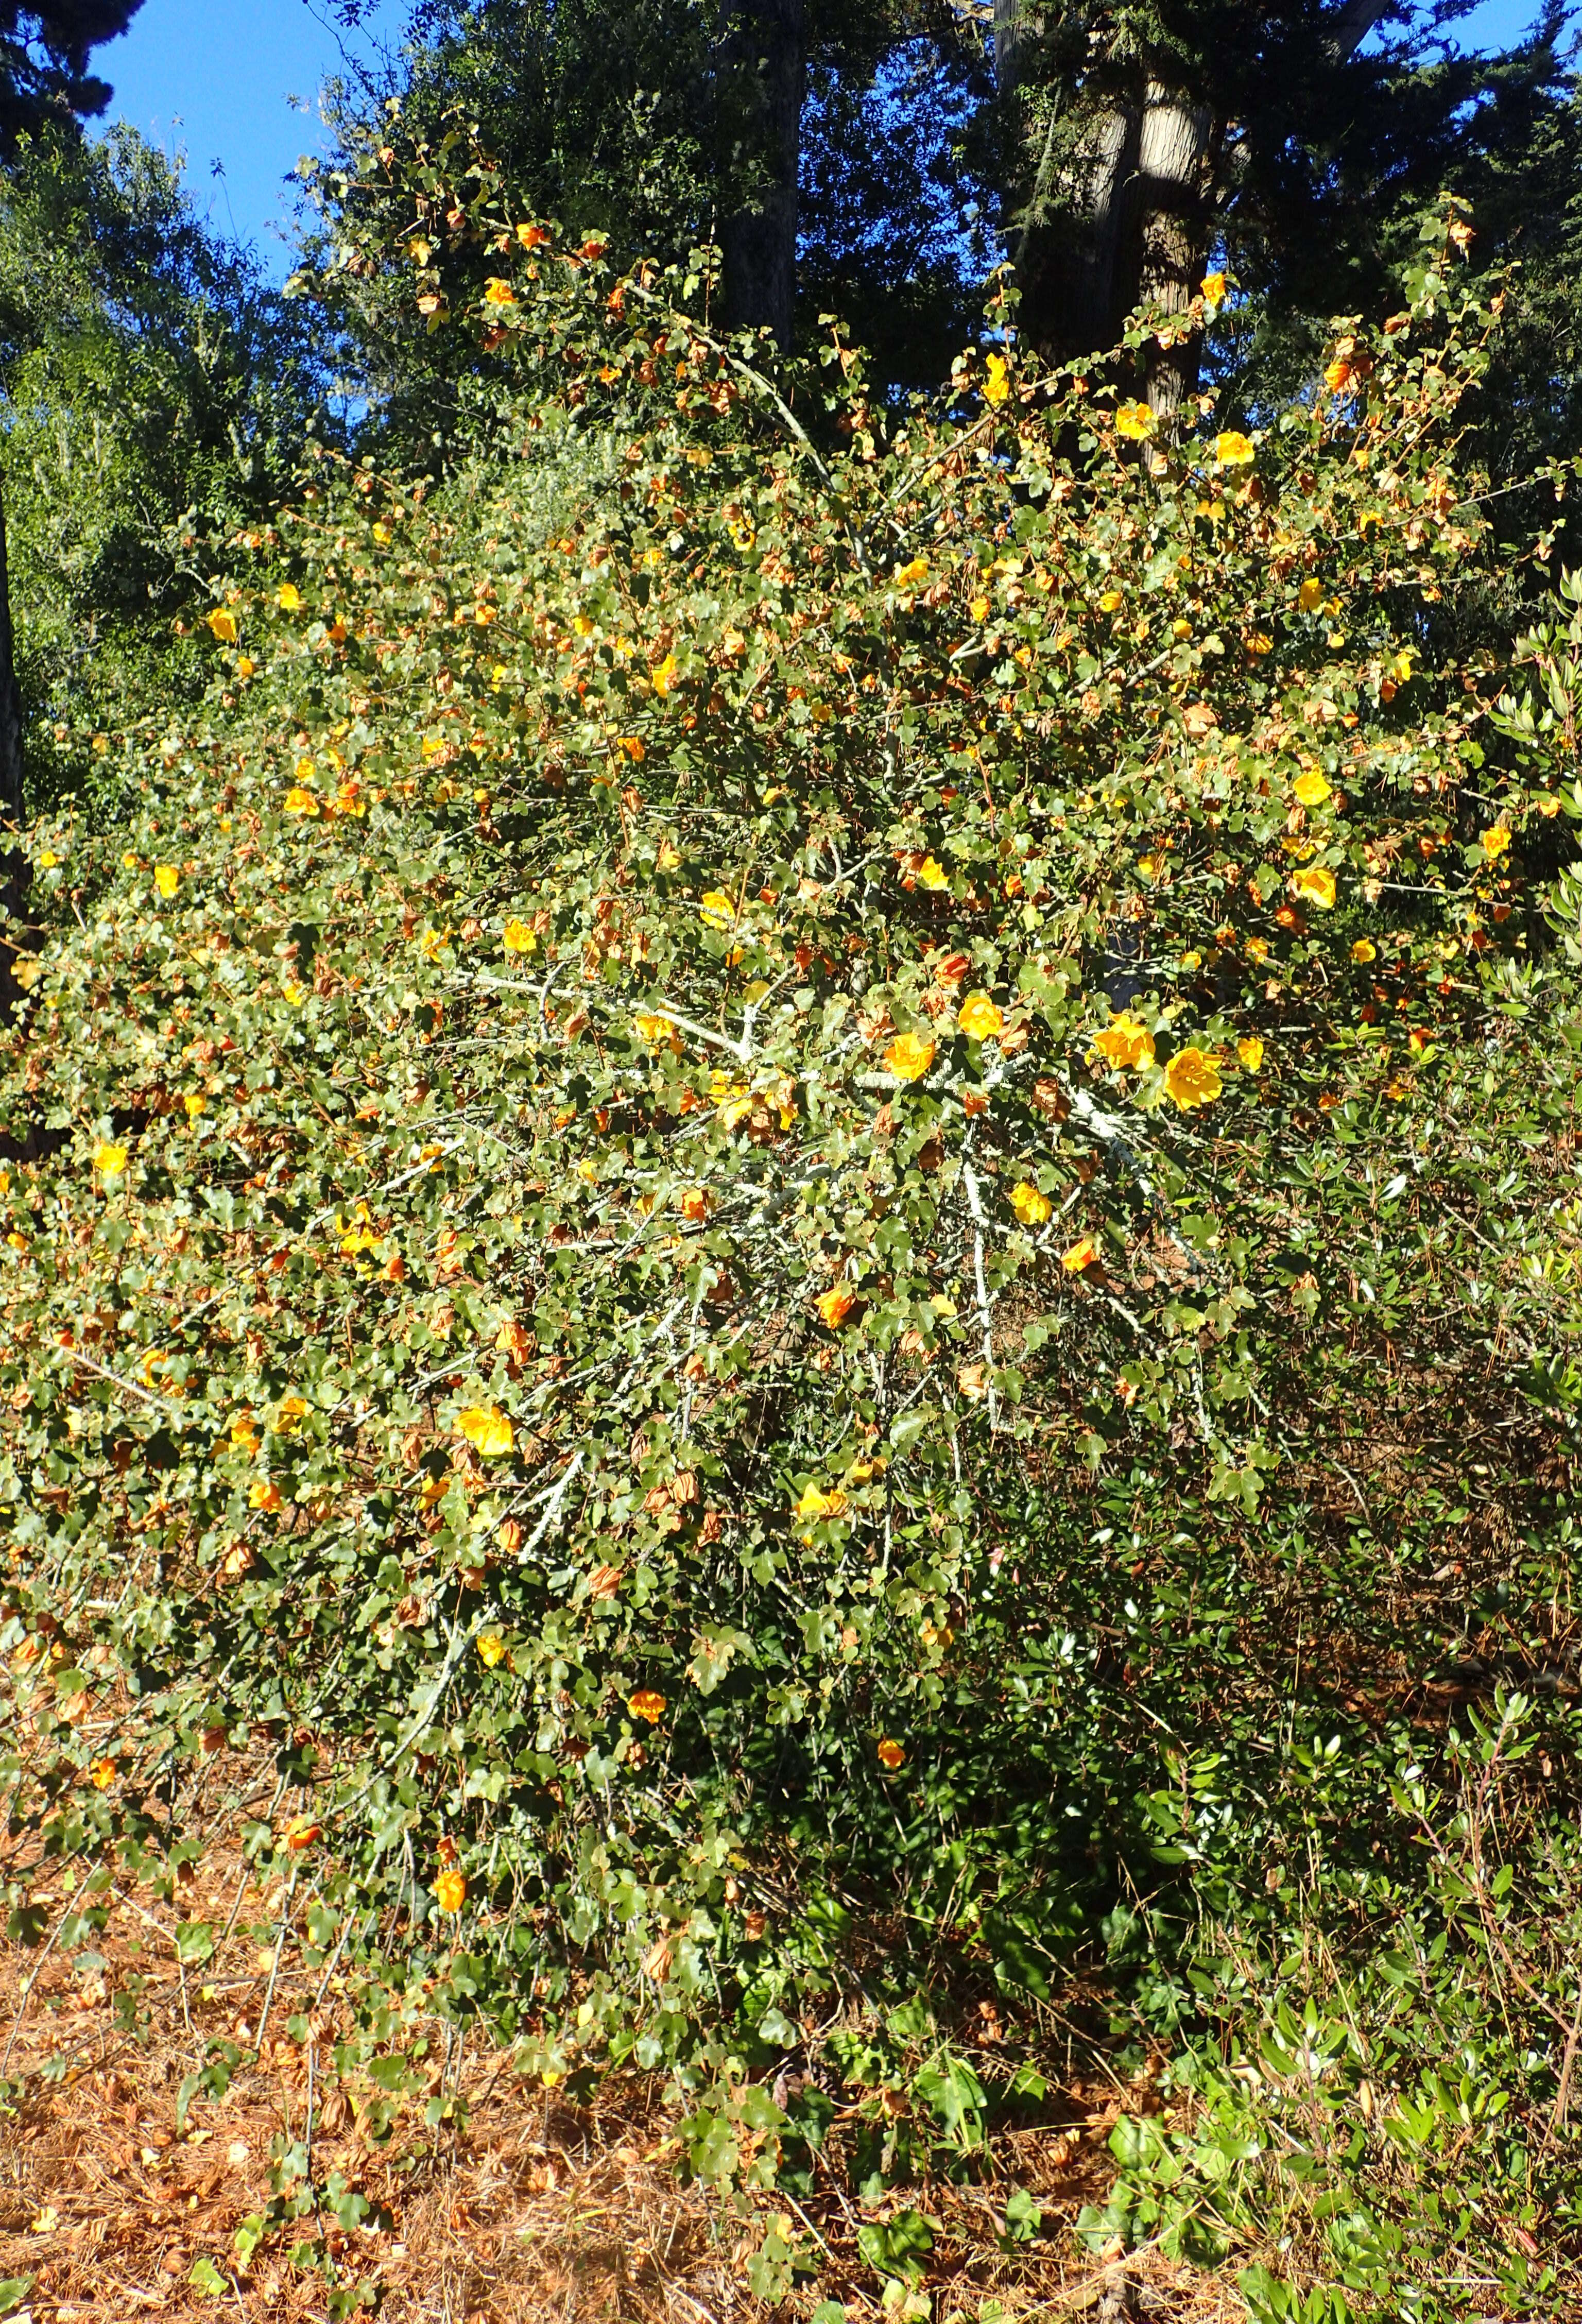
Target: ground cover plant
{"x": 804, "y": 1188}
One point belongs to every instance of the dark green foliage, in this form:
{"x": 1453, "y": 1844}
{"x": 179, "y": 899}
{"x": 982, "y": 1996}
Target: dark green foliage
{"x": 44, "y": 50}
{"x": 155, "y": 392}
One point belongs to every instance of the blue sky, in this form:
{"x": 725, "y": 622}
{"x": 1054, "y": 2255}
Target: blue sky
{"x": 214, "y": 80}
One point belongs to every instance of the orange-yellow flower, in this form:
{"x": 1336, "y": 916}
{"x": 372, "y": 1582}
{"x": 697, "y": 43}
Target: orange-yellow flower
{"x": 1030, "y": 1205}
{"x": 1364, "y": 950}
{"x": 518, "y": 936}
{"x": 1135, "y": 422}
{"x": 890, "y": 1754}
{"x": 996, "y": 386}
{"x": 1192, "y": 1078}
{"x": 932, "y": 874}
{"x": 491, "y": 1650}
{"x": 979, "y": 1018}
{"x": 646, "y": 1704}
{"x": 102, "y": 1773}
{"x": 1317, "y": 883}
{"x": 909, "y": 1055}
{"x": 1081, "y": 1255}
{"x": 1126, "y": 1042}
{"x": 1311, "y": 595}
{"x": 1213, "y": 287}
{"x": 303, "y": 1832}
{"x": 486, "y": 1428}
{"x": 223, "y": 625}
{"x": 264, "y": 1496}
{"x": 450, "y": 1890}
{"x": 694, "y": 1202}
{"x": 816, "y": 1503}
{"x": 497, "y": 292}
{"x": 1233, "y": 449}
{"x": 1312, "y": 788}
{"x": 834, "y": 1306}
{"x": 1495, "y": 842}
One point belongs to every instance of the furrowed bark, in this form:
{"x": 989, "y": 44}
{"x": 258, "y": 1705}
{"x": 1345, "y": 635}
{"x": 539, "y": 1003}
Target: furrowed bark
{"x": 764, "y": 51}
{"x": 1174, "y": 171}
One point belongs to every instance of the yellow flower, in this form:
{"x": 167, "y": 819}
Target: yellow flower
{"x": 109, "y": 1161}
{"x": 1311, "y": 595}
{"x": 1192, "y": 1078}
{"x": 167, "y": 880}
{"x": 246, "y": 666}
{"x": 450, "y": 1890}
{"x": 979, "y": 1019}
{"x": 1135, "y": 422}
{"x": 1081, "y": 1255}
{"x": 834, "y": 1306}
{"x": 917, "y": 570}
{"x": 996, "y": 386}
{"x": 299, "y": 801}
{"x": 381, "y": 534}
{"x": 932, "y": 874}
{"x": 1126, "y": 1043}
{"x": 290, "y": 599}
{"x": 264, "y": 1496}
{"x": 491, "y": 1650}
{"x": 909, "y": 1055}
{"x": 1111, "y": 602}
{"x": 1311, "y": 788}
{"x": 486, "y": 1429}
{"x": 1317, "y": 884}
{"x": 1496, "y": 840}
{"x": 1364, "y": 950}
{"x": 1213, "y": 287}
{"x": 518, "y": 936}
{"x": 694, "y": 1202}
{"x": 291, "y": 1409}
{"x": 646, "y": 1704}
{"x": 1250, "y": 1052}
{"x": 664, "y": 676}
{"x": 890, "y": 1754}
{"x": 223, "y": 624}
{"x": 979, "y": 609}
{"x": 1233, "y": 449}
{"x": 195, "y": 1105}
{"x": 816, "y": 1503}
{"x": 717, "y": 908}
{"x": 103, "y": 1772}
{"x": 498, "y": 292}
{"x": 1029, "y": 1206}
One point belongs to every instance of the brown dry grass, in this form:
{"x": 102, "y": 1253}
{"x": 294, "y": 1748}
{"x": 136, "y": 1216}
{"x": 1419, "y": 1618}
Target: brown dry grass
{"x": 536, "y": 2209}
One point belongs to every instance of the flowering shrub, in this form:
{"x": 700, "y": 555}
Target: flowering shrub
{"x": 701, "y": 1007}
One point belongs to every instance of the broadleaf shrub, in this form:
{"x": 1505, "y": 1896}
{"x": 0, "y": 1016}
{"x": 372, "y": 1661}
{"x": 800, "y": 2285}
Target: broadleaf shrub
{"x": 715, "y": 1163}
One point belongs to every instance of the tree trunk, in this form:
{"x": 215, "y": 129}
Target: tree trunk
{"x": 1174, "y": 171}
{"x": 765, "y": 57}
{"x": 1069, "y": 226}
